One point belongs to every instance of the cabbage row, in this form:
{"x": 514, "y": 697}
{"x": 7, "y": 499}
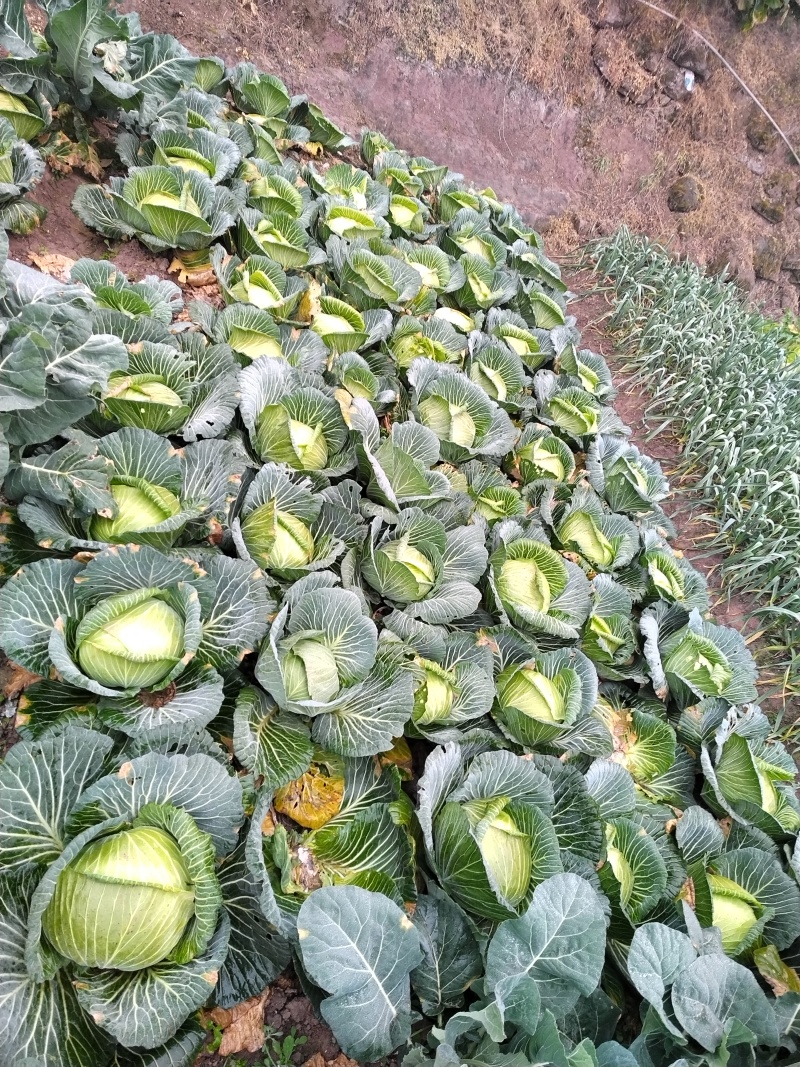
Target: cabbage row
{"x": 358, "y": 640}
{"x": 729, "y": 381}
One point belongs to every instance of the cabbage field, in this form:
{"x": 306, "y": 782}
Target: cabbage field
{"x": 355, "y": 637}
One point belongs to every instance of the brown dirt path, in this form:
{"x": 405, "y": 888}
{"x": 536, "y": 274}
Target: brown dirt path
{"x": 510, "y": 94}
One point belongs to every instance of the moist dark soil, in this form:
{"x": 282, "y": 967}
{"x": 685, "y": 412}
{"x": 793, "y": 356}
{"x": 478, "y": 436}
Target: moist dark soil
{"x": 287, "y": 1010}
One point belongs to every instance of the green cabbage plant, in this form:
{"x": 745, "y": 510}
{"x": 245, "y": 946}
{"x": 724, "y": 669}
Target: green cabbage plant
{"x": 454, "y": 689}
{"x": 534, "y": 586}
{"x": 739, "y": 888}
{"x": 280, "y": 237}
{"x": 544, "y": 699}
{"x": 253, "y": 334}
{"x": 117, "y": 908}
{"x": 371, "y": 280}
{"x": 540, "y": 456}
{"x": 671, "y": 577}
{"x": 432, "y": 338}
{"x": 27, "y": 115}
{"x": 512, "y": 330}
{"x": 572, "y": 409}
{"x": 292, "y": 418}
{"x": 487, "y": 829}
{"x": 57, "y": 357}
{"x": 188, "y": 389}
{"x": 152, "y": 297}
{"x": 397, "y": 468}
{"x": 458, "y": 410}
{"x": 424, "y": 569}
{"x": 285, "y": 527}
{"x": 606, "y": 542}
{"x": 500, "y": 373}
{"x": 492, "y": 495}
{"x": 277, "y": 190}
{"x": 749, "y": 776}
{"x": 259, "y": 281}
{"x": 138, "y": 634}
{"x": 21, "y": 167}
{"x": 322, "y": 660}
{"x": 631, "y": 483}
{"x": 206, "y": 153}
{"x": 609, "y": 636}
{"x": 263, "y": 102}
{"x": 129, "y": 487}
{"x": 166, "y": 207}
{"x": 694, "y": 658}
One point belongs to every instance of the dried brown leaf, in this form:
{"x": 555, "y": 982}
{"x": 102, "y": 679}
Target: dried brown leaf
{"x": 14, "y": 679}
{"x": 242, "y": 1025}
{"x": 57, "y": 266}
{"x": 318, "y": 1060}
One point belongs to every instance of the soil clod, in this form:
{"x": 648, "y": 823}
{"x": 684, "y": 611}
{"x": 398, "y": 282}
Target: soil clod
{"x": 685, "y": 194}
{"x": 768, "y": 257}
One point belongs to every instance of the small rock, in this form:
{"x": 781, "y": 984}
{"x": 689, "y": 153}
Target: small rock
{"x": 673, "y": 81}
{"x": 779, "y": 186}
{"x": 756, "y": 166}
{"x": 690, "y": 52}
{"x": 768, "y": 257}
{"x": 769, "y": 210}
{"x": 685, "y": 194}
{"x": 791, "y": 261}
{"x": 611, "y": 14}
{"x": 761, "y": 134}
{"x": 735, "y": 257}
{"x": 778, "y": 189}
{"x": 613, "y": 58}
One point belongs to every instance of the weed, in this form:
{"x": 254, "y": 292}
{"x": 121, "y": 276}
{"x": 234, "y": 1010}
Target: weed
{"x": 279, "y": 1049}
{"x": 216, "y": 1036}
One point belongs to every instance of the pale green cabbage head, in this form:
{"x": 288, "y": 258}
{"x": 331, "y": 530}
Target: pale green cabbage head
{"x": 139, "y": 507}
{"x": 130, "y": 640}
{"x": 124, "y": 902}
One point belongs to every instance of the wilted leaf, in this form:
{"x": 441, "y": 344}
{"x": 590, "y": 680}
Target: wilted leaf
{"x": 14, "y": 679}
{"x": 242, "y": 1026}
{"x": 64, "y": 156}
{"x": 318, "y": 1060}
{"x": 781, "y": 977}
{"x": 57, "y": 266}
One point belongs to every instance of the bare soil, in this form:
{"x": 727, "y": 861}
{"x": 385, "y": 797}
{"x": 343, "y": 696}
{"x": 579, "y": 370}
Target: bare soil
{"x": 287, "y": 1010}
{"x": 510, "y": 93}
